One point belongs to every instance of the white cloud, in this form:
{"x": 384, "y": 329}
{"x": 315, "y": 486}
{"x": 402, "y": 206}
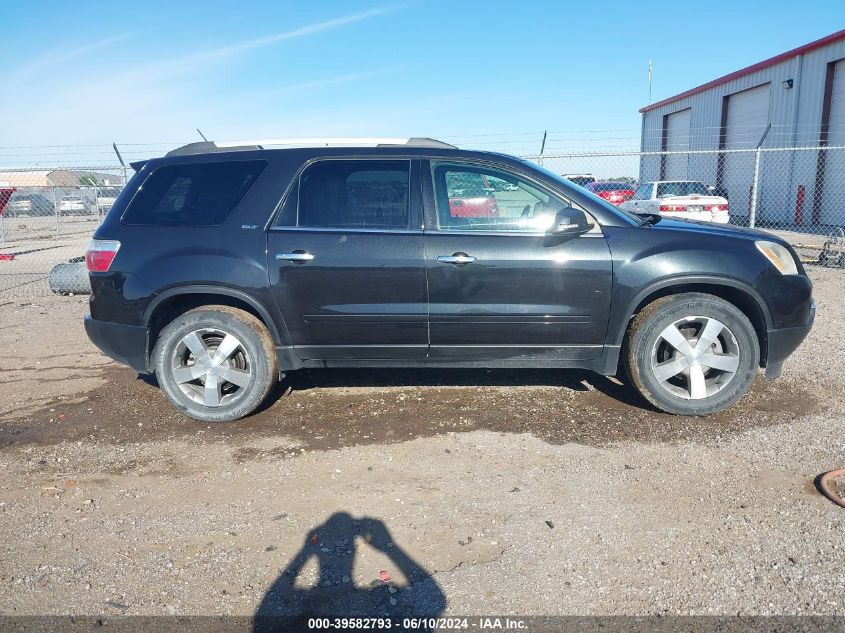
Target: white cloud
{"x": 60, "y": 55}
{"x": 163, "y": 99}
{"x": 310, "y": 29}
{"x": 208, "y": 57}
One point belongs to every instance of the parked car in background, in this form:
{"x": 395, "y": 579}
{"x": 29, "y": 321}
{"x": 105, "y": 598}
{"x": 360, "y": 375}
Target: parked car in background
{"x": 580, "y": 179}
{"x": 73, "y": 205}
{"x": 683, "y": 199}
{"x": 224, "y": 266}
{"x": 30, "y": 204}
{"x": 106, "y": 197}
{"x": 722, "y": 192}
{"x": 613, "y": 191}
{"x": 471, "y": 196}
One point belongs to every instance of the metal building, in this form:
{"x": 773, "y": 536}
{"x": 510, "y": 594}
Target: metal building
{"x": 793, "y": 100}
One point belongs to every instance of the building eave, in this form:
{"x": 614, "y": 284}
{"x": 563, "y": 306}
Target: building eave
{"x": 772, "y": 61}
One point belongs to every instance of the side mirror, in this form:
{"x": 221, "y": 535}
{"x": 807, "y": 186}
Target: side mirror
{"x": 570, "y": 221}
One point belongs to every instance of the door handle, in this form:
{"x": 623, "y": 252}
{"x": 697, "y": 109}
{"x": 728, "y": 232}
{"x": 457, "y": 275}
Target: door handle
{"x": 296, "y": 256}
{"x": 457, "y": 259}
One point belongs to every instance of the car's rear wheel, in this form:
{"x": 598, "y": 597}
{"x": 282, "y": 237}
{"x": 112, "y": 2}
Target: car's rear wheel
{"x": 692, "y": 353}
{"x": 215, "y": 363}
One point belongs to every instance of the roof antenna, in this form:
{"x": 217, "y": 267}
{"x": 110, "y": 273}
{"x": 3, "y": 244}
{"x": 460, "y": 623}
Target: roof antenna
{"x": 202, "y": 135}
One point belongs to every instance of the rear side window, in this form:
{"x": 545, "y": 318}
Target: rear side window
{"x": 194, "y": 194}
{"x": 355, "y": 194}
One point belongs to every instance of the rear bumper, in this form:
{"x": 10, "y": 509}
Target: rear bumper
{"x": 126, "y": 344}
{"x": 719, "y": 217}
{"x": 783, "y": 341}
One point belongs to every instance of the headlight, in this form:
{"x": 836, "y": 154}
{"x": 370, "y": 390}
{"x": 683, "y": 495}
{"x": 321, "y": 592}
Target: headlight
{"x": 779, "y": 255}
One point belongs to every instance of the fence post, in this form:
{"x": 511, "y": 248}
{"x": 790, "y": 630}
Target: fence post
{"x": 539, "y": 162}
{"x": 752, "y": 215}
{"x": 799, "y": 205}
{"x": 56, "y": 209}
{"x": 755, "y": 186}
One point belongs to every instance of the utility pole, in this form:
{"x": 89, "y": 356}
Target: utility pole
{"x": 650, "y": 73}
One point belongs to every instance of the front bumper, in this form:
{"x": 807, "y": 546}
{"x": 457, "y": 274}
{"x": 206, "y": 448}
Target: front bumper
{"x": 126, "y": 344}
{"x": 783, "y": 341}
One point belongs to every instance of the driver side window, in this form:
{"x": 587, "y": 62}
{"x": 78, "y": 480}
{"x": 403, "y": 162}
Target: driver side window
{"x": 471, "y": 198}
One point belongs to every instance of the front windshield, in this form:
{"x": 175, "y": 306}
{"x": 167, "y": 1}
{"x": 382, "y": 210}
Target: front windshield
{"x": 567, "y": 185}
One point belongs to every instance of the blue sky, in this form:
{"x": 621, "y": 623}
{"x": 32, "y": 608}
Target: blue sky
{"x": 492, "y": 74}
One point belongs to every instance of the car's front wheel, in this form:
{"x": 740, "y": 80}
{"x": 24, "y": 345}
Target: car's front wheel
{"x": 215, "y": 363}
{"x": 692, "y": 353}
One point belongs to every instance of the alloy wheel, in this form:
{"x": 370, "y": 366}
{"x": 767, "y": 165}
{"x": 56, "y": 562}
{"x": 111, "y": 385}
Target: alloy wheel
{"x": 695, "y": 357}
{"x": 211, "y": 367}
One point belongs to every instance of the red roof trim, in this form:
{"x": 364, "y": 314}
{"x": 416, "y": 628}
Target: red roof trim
{"x": 777, "y": 59}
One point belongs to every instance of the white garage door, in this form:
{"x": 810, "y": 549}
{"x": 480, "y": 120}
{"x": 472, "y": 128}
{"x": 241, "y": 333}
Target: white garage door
{"x": 677, "y": 139}
{"x": 748, "y": 116}
{"x": 833, "y": 194}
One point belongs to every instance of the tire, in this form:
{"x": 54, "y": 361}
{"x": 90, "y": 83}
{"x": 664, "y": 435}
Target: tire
{"x": 69, "y": 278}
{"x": 697, "y": 388}
{"x": 187, "y": 349}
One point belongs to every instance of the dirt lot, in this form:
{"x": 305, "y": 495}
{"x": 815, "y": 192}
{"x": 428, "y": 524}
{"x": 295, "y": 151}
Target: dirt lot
{"x": 525, "y": 492}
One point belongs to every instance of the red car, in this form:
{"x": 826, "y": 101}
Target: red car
{"x": 471, "y": 196}
{"x": 5, "y": 195}
{"x": 614, "y": 192}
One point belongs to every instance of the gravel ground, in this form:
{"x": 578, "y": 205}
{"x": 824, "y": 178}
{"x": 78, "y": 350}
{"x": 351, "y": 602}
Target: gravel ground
{"x": 465, "y": 492}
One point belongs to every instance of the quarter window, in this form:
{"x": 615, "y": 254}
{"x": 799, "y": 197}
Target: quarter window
{"x": 355, "y": 194}
{"x": 473, "y": 198}
{"x": 192, "y": 194}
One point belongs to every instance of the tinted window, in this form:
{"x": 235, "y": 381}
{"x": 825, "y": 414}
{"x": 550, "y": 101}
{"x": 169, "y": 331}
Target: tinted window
{"x": 611, "y": 186}
{"x": 360, "y": 194}
{"x": 643, "y": 192}
{"x": 683, "y": 188}
{"x": 473, "y": 198}
{"x": 581, "y": 180}
{"x": 196, "y": 194}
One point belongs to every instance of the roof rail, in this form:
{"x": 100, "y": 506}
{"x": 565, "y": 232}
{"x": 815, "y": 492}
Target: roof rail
{"x": 204, "y": 147}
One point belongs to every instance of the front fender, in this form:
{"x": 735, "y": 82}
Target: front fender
{"x": 647, "y": 261}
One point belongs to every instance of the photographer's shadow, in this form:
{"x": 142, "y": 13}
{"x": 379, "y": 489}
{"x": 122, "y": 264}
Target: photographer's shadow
{"x": 335, "y": 593}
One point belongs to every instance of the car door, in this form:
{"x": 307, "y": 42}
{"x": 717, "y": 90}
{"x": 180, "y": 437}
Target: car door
{"x": 346, "y": 261}
{"x": 500, "y": 288}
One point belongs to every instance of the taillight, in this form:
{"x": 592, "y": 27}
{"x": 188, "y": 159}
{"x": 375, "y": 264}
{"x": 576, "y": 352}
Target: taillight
{"x": 101, "y": 254}
{"x": 673, "y": 207}
{"x": 716, "y": 207}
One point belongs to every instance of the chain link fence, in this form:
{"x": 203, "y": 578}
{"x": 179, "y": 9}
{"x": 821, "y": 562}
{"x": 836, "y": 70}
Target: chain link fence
{"x": 47, "y": 216}
{"x": 798, "y": 192}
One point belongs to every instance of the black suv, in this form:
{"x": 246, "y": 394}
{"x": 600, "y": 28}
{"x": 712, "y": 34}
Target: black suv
{"x": 218, "y": 268}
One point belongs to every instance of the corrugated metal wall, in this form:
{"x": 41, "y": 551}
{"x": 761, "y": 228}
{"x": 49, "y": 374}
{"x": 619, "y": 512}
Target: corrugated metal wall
{"x": 795, "y": 115}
